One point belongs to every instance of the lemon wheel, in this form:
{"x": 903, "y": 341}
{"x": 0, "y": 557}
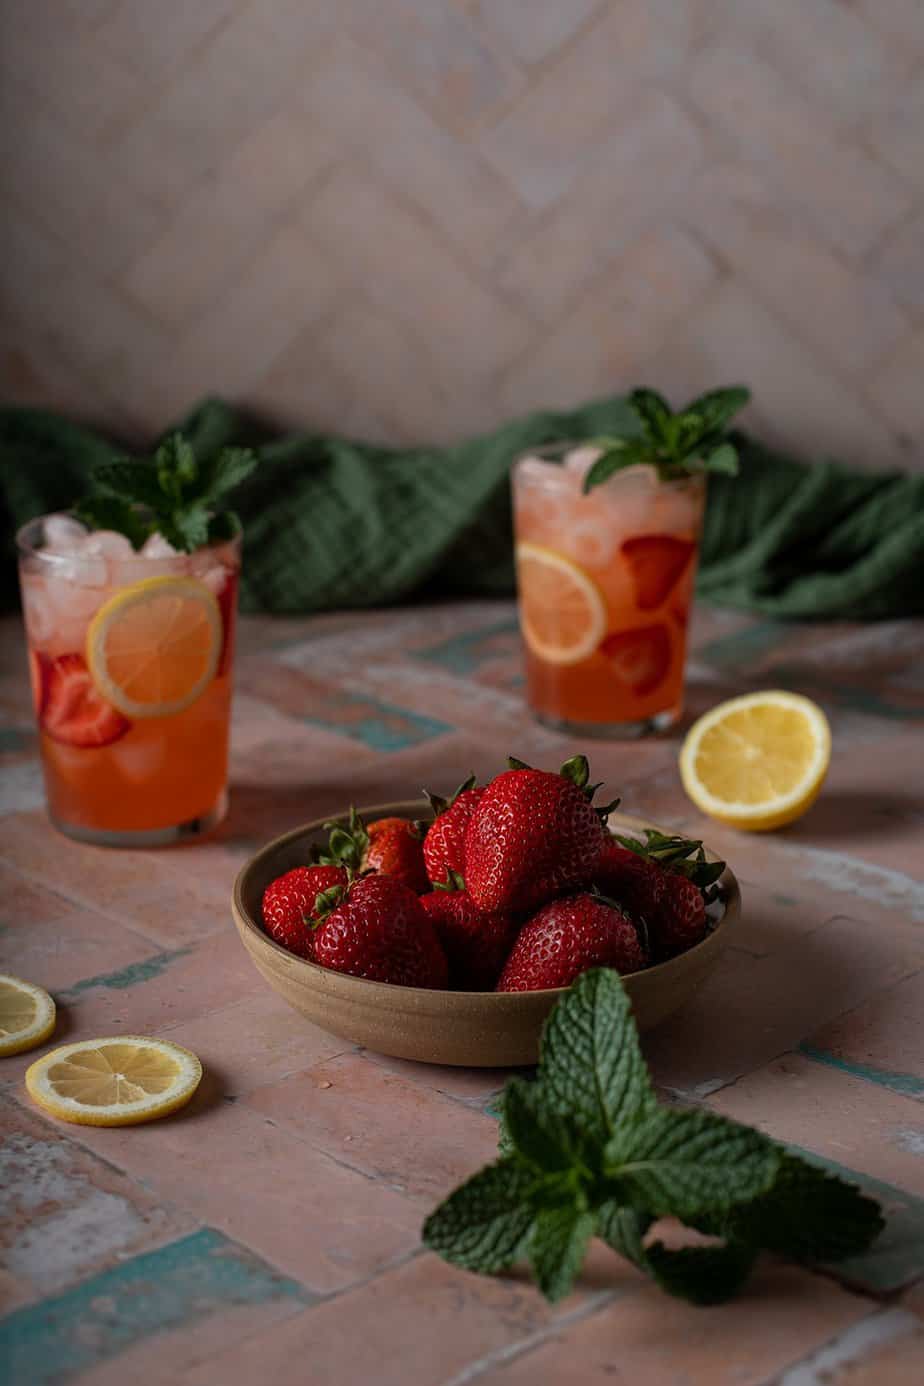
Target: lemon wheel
{"x": 562, "y": 612}
{"x": 27, "y": 1015}
{"x": 154, "y": 647}
{"x": 114, "y": 1082}
{"x": 757, "y": 762}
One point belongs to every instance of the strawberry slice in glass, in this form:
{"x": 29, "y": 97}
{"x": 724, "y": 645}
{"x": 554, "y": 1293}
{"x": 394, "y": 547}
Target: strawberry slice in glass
{"x": 656, "y": 562}
{"x": 71, "y": 709}
{"x": 640, "y": 658}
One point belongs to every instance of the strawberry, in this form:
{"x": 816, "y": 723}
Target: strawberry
{"x": 533, "y": 835}
{"x": 640, "y": 658}
{"x": 567, "y": 937}
{"x": 71, "y": 709}
{"x": 376, "y": 927}
{"x": 668, "y": 887}
{"x": 681, "y": 918}
{"x": 444, "y": 844}
{"x": 656, "y": 562}
{"x": 625, "y": 876}
{"x": 289, "y": 901}
{"x": 476, "y": 942}
{"x": 389, "y": 847}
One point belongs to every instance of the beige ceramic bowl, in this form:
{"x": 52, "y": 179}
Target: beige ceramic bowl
{"x": 475, "y": 1029}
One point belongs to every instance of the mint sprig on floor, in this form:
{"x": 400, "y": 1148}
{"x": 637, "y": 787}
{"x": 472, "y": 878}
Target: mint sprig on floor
{"x": 172, "y": 494}
{"x": 689, "y": 443}
{"x": 588, "y": 1150}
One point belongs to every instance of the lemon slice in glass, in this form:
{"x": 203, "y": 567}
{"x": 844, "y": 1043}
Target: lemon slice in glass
{"x": 153, "y": 648}
{"x": 114, "y": 1082}
{"x": 27, "y": 1015}
{"x": 562, "y": 612}
{"x": 757, "y": 762}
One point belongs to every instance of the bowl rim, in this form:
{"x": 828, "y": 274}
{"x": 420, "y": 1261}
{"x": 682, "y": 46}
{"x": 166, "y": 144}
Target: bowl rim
{"x": 325, "y": 976}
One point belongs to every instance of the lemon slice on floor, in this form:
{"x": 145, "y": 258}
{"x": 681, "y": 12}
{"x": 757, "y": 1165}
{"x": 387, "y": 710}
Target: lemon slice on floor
{"x": 562, "y": 613}
{"x": 757, "y": 762}
{"x": 27, "y": 1015}
{"x": 154, "y": 647}
{"x": 114, "y": 1082}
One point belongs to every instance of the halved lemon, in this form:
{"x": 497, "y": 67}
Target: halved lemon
{"x": 759, "y": 761}
{"x": 562, "y": 612}
{"x": 27, "y": 1015}
{"x": 154, "y": 647}
{"x": 114, "y": 1082}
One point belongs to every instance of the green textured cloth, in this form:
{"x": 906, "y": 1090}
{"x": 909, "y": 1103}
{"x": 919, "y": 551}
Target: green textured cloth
{"x": 333, "y": 523}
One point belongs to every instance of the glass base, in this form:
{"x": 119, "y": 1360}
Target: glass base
{"x": 612, "y": 731}
{"x": 147, "y": 837}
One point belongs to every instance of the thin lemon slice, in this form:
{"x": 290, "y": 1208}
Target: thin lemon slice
{"x": 27, "y": 1015}
{"x": 562, "y": 613}
{"x": 114, "y": 1082}
{"x": 759, "y": 761}
{"x": 154, "y": 647}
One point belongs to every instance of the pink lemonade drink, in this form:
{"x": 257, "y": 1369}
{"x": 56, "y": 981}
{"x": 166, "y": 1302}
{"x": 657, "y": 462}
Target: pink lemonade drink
{"x": 130, "y": 657}
{"x": 605, "y": 583}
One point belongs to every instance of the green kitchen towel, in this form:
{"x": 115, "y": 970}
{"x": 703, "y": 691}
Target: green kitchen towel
{"x": 335, "y": 523}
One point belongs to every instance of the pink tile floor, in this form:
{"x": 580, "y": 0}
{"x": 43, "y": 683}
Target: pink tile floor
{"x": 271, "y": 1232}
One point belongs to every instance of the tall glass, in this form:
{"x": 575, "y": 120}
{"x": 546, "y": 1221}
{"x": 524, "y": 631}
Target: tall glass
{"x": 130, "y": 657}
{"x": 605, "y": 583}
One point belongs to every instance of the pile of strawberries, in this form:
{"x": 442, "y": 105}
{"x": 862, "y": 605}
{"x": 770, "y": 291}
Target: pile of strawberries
{"x": 514, "y": 886}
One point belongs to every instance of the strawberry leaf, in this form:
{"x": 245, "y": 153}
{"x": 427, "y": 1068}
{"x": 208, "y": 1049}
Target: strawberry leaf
{"x": 577, "y": 770}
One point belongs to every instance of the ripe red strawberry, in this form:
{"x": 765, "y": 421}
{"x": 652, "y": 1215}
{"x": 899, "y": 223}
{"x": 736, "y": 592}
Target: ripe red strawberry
{"x": 664, "y": 882}
{"x": 656, "y": 562}
{"x": 396, "y": 849}
{"x": 389, "y": 847}
{"x": 444, "y": 844}
{"x": 567, "y": 937}
{"x": 476, "y": 942}
{"x": 71, "y": 709}
{"x": 681, "y": 917}
{"x": 626, "y": 877}
{"x": 640, "y": 658}
{"x": 289, "y": 905}
{"x": 376, "y": 928}
{"x": 533, "y": 835}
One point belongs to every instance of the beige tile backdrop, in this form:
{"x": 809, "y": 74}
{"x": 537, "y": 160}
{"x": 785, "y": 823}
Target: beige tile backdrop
{"x": 408, "y": 219}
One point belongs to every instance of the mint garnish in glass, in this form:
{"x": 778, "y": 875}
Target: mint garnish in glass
{"x": 689, "y": 443}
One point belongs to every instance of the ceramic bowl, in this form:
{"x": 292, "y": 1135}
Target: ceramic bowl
{"x": 474, "y": 1029}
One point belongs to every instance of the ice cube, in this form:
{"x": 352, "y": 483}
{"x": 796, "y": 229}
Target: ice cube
{"x": 537, "y": 472}
{"x": 580, "y": 460}
{"x": 108, "y": 544}
{"x": 38, "y": 610}
{"x": 63, "y": 533}
{"x": 139, "y": 761}
{"x": 157, "y": 546}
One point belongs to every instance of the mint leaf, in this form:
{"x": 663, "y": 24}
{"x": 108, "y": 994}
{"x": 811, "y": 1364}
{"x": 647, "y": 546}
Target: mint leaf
{"x": 533, "y": 1130}
{"x": 686, "y": 1163}
{"x": 591, "y": 1069}
{"x": 806, "y": 1215}
{"x": 700, "y": 1274}
{"x": 723, "y": 459}
{"x": 717, "y": 408}
{"x": 132, "y": 481}
{"x": 484, "y": 1224}
{"x": 229, "y": 469}
{"x": 191, "y": 523}
{"x": 113, "y": 512}
{"x": 653, "y": 410}
{"x": 557, "y": 1244}
{"x": 622, "y": 453}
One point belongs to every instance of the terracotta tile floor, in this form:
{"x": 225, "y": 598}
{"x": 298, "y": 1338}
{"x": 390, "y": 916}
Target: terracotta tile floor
{"x": 271, "y": 1233}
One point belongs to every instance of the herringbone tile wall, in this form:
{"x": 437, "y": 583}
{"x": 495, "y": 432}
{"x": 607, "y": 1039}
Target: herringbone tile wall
{"x": 408, "y": 219}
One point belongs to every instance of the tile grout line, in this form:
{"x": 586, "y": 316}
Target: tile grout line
{"x": 847, "y": 1348}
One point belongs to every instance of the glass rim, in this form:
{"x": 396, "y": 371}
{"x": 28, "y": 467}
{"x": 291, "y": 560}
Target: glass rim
{"x": 28, "y": 544}
{"x": 558, "y": 450}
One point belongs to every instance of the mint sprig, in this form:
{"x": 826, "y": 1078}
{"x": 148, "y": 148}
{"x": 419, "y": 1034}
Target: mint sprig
{"x": 587, "y": 1149}
{"x": 691, "y": 442}
{"x": 172, "y": 494}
